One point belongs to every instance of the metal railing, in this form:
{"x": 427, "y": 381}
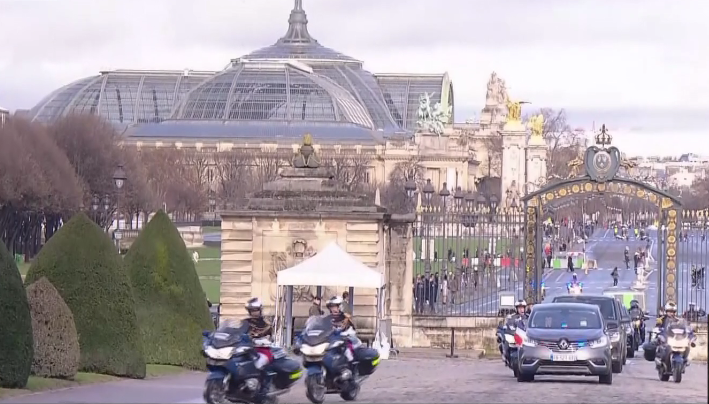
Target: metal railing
{"x": 464, "y": 258}
{"x": 692, "y": 261}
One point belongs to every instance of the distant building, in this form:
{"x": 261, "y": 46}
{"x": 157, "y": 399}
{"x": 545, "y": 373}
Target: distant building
{"x": 3, "y": 115}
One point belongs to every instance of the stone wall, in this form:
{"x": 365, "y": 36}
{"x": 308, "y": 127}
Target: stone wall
{"x": 254, "y": 249}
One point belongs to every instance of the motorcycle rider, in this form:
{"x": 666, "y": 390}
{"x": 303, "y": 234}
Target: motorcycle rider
{"x": 520, "y": 310}
{"x": 260, "y": 331}
{"x": 636, "y": 313}
{"x": 627, "y": 257}
{"x": 343, "y": 323}
{"x": 671, "y": 320}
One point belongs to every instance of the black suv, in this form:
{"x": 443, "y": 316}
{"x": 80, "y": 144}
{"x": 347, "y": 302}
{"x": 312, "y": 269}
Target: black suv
{"x": 612, "y": 314}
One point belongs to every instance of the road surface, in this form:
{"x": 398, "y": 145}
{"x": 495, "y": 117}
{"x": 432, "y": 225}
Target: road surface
{"x": 410, "y": 380}
{"x": 608, "y": 253}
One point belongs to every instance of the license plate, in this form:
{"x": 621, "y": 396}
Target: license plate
{"x": 563, "y": 357}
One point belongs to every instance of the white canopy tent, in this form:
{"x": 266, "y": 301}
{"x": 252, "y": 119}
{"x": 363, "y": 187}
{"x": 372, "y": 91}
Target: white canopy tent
{"x": 332, "y": 266}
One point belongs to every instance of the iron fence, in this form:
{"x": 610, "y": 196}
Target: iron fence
{"x": 466, "y": 259}
{"x": 692, "y": 260}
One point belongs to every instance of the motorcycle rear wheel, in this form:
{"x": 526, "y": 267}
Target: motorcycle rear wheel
{"x": 214, "y": 392}
{"x": 351, "y": 393}
{"x": 314, "y": 391}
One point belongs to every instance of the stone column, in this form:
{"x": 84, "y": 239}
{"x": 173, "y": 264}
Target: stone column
{"x": 536, "y": 164}
{"x": 514, "y": 140}
{"x": 400, "y": 275}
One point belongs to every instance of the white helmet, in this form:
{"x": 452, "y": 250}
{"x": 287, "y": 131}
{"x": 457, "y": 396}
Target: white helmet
{"x": 521, "y": 303}
{"x": 334, "y": 301}
{"x": 574, "y": 276}
{"x": 670, "y": 306}
{"x": 627, "y": 248}
{"x": 254, "y": 304}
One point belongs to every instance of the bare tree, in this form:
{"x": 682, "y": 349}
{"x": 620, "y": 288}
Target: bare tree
{"x": 267, "y": 166}
{"x": 38, "y": 186}
{"x": 234, "y": 174}
{"x": 492, "y": 163}
{"x": 393, "y": 194}
{"x": 350, "y": 170}
{"x": 563, "y": 142}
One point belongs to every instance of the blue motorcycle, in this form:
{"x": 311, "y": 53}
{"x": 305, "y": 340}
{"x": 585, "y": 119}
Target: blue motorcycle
{"x": 233, "y": 375}
{"x": 329, "y": 371}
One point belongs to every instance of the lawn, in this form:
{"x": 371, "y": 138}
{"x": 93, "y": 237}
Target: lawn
{"x": 36, "y": 384}
{"x": 209, "y": 270}
{"x": 211, "y": 229}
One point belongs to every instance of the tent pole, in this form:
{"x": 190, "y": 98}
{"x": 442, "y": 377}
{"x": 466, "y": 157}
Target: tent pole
{"x": 351, "y": 302}
{"x": 289, "y": 316}
{"x": 276, "y": 323}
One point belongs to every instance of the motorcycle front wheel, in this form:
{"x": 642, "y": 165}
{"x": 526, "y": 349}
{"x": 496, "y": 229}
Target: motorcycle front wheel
{"x": 677, "y": 374}
{"x": 351, "y": 393}
{"x": 314, "y": 389}
{"x": 215, "y": 392}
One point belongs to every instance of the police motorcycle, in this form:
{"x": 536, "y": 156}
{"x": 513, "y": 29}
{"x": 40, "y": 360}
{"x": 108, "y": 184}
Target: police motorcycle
{"x": 668, "y": 346}
{"x": 638, "y": 319}
{"x": 506, "y": 340}
{"x": 574, "y": 287}
{"x": 672, "y": 354}
{"x": 232, "y": 365}
{"x": 325, "y": 354}
{"x": 544, "y": 290}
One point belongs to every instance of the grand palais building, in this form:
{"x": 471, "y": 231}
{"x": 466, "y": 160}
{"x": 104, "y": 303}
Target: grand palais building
{"x": 270, "y": 98}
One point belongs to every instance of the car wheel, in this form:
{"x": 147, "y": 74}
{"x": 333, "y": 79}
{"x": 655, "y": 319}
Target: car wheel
{"x": 523, "y": 377}
{"x": 617, "y": 367}
{"x": 606, "y": 379}
{"x": 631, "y": 352}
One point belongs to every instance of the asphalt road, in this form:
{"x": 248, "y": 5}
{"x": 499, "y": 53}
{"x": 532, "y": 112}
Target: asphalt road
{"x": 608, "y": 253}
{"x": 410, "y": 380}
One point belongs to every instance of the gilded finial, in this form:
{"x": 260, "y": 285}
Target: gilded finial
{"x": 308, "y": 139}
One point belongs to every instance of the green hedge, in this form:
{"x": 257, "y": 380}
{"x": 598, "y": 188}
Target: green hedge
{"x": 170, "y": 303}
{"x": 56, "y": 342}
{"x": 81, "y": 262}
{"x": 16, "y": 350}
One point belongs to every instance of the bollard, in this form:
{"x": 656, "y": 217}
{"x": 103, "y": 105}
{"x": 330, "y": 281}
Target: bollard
{"x": 452, "y": 355}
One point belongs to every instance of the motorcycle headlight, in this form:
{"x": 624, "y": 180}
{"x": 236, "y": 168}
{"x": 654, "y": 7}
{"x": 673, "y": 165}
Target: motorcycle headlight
{"x": 637, "y": 323}
{"x": 219, "y": 354}
{"x": 599, "y": 343}
{"x": 317, "y": 350}
{"x": 614, "y": 336}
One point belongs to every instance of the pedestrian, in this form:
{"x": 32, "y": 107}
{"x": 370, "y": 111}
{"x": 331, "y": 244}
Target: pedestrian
{"x": 346, "y": 307}
{"x": 419, "y": 292}
{"x": 615, "y": 276}
{"x": 315, "y": 309}
{"x": 570, "y": 263}
{"x": 433, "y": 297}
{"x": 444, "y": 289}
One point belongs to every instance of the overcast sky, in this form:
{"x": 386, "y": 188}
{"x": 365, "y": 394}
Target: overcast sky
{"x": 634, "y": 65}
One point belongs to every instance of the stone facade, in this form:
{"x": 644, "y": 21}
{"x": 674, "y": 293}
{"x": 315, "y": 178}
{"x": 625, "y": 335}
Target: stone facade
{"x": 292, "y": 219}
{"x": 458, "y": 156}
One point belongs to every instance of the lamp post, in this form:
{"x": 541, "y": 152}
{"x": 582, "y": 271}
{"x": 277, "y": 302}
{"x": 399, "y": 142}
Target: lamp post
{"x": 119, "y": 180}
{"x": 428, "y": 192}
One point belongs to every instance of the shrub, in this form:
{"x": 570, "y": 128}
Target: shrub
{"x": 56, "y": 343}
{"x": 15, "y": 325}
{"x": 170, "y": 303}
{"x": 81, "y": 262}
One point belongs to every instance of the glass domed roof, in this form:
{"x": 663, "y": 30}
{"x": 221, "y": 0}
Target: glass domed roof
{"x": 298, "y": 44}
{"x": 275, "y": 91}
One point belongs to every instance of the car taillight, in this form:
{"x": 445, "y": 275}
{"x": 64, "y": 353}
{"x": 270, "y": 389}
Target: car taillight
{"x": 518, "y": 339}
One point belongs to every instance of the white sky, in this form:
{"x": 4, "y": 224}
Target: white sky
{"x": 632, "y": 64}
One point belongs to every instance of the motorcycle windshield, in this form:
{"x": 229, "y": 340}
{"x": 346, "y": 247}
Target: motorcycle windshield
{"x": 318, "y": 330}
{"x": 230, "y": 333}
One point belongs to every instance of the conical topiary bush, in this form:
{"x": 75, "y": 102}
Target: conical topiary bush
{"x": 15, "y": 325}
{"x": 56, "y": 343}
{"x": 81, "y": 262}
{"x": 170, "y": 303}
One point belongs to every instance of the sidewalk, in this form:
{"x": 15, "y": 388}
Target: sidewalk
{"x": 440, "y": 353}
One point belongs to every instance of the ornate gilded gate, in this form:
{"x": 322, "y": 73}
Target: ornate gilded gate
{"x": 600, "y": 176}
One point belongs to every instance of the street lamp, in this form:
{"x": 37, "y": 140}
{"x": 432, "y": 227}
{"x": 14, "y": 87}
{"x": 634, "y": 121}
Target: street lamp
{"x": 119, "y": 176}
{"x": 212, "y": 202}
{"x": 119, "y": 180}
{"x": 410, "y": 187}
{"x": 428, "y": 191}
{"x": 458, "y": 198}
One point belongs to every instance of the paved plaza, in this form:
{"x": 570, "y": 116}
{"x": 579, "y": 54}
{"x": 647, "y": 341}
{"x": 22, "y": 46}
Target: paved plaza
{"x": 412, "y": 380}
